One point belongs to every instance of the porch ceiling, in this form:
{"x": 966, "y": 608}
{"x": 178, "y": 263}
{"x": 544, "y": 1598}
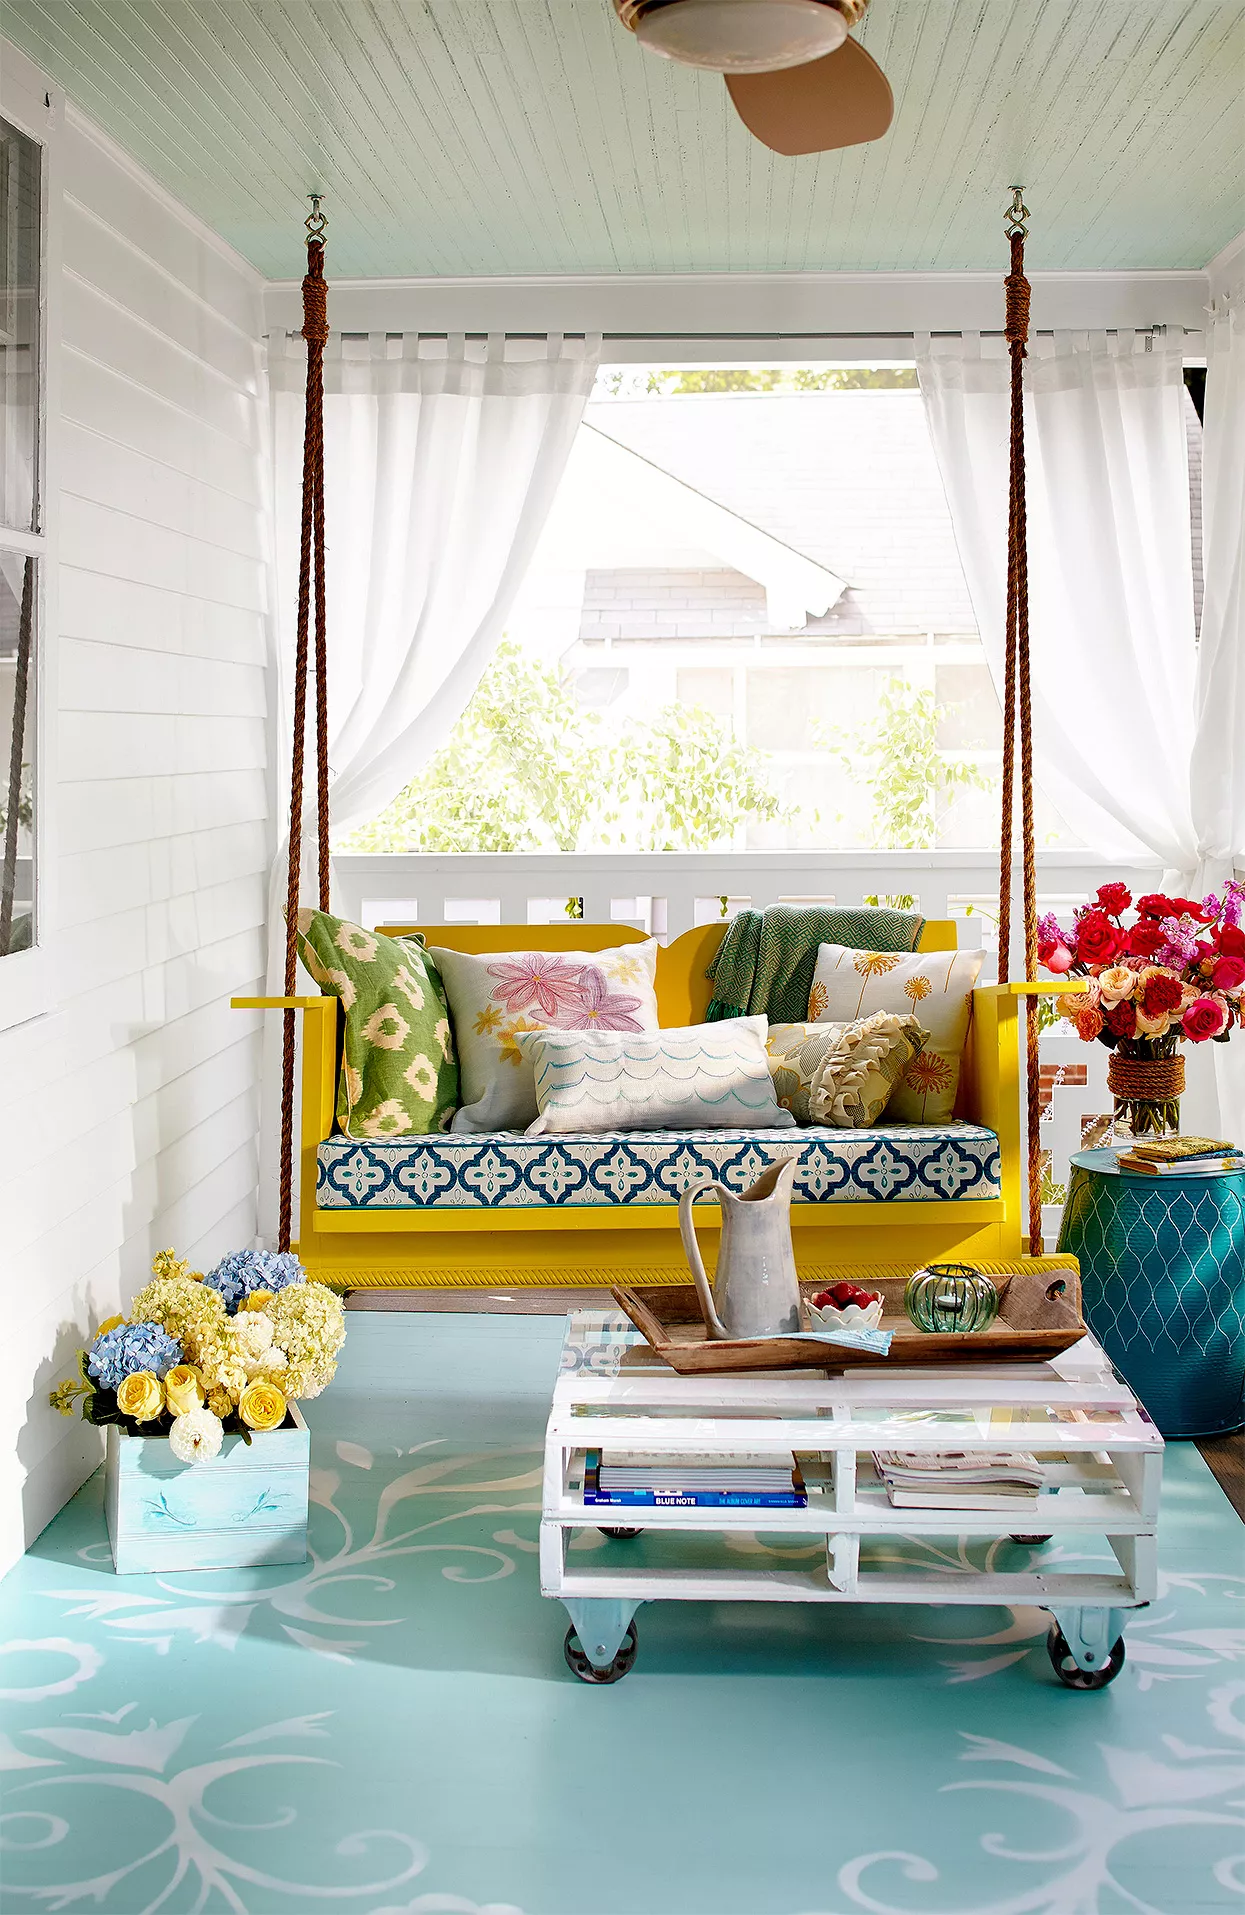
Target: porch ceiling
{"x": 462, "y": 137}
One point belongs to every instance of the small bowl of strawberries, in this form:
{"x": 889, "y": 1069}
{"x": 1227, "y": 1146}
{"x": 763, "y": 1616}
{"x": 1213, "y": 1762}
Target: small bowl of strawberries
{"x": 845, "y": 1306}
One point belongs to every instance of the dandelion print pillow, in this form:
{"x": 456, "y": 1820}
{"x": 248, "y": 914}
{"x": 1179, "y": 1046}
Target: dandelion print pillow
{"x": 935, "y": 986}
{"x": 496, "y": 995}
{"x": 398, "y": 1072}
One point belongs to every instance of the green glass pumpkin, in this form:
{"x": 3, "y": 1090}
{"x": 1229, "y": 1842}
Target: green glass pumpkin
{"x": 951, "y": 1296}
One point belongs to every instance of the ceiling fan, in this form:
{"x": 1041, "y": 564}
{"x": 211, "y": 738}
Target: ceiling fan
{"x": 798, "y": 80}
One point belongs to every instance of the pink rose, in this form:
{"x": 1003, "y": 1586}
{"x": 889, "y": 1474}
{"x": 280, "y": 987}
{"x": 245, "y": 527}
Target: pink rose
{"x": 1058, "y": 959}
{"x": 1205, "y": 1017}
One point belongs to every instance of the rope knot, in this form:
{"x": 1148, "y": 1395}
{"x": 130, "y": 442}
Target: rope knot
{"x": 1016, "y": 320}
{"x": 315, "y": 297}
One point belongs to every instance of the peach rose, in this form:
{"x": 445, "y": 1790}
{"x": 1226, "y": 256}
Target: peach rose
{"x": 1088, "y": 1024}
{"x": 1117, "y": 984}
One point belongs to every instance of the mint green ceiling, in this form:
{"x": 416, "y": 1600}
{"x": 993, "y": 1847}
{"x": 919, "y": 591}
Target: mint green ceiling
{"x": 535, "y": 136}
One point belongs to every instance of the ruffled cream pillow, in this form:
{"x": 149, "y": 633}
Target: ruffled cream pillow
{"x": 842, "y": 1075}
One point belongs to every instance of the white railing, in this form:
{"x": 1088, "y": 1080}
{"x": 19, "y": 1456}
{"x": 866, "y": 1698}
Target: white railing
{"x": 668, "y": 892}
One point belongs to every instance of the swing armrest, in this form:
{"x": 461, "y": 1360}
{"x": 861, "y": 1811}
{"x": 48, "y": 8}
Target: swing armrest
{"x": 274, "y": 1003}
{"x": 1041, "y": 987}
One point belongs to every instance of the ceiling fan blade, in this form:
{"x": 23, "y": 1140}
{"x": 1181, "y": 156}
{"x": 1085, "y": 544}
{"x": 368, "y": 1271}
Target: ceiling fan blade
{"x": 842, "y": 99}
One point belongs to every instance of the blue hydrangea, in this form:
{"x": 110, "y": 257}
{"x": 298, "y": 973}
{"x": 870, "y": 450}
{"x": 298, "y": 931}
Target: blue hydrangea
{"x": 131, "y": 1347}
{"x": 242, "y": 1272}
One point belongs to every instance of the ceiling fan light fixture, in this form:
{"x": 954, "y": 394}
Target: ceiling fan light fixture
{"x": 740, "y": 36}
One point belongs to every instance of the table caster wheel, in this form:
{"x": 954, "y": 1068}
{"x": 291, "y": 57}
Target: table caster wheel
{"x": 1032, "y": 1540}
{"x": 577, "y": 1661}
{"x": 1069, "y": 1670}
{"x": 620, "y": 1535}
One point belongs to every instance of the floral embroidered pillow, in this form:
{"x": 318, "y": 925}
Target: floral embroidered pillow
{"x": 398, "y": 1075}
{"x": 496, "y": 995}
{"x": 936, "y": 986}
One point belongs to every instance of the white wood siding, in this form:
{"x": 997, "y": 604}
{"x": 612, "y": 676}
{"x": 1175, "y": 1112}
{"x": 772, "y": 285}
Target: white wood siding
{"x": 129, "y": 1119}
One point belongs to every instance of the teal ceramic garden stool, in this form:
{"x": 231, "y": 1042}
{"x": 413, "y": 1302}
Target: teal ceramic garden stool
{"x": 1163, "y": 1286}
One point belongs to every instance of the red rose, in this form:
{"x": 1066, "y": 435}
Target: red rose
{"x": 1145, "y": 937}
{"x": 1206, "y": 1017}
{"x": 1228, "y": 974}
{"x": 1120, "y": 1020}
{"x": 1231, "y": 940}
{"x": 1155, "y": 905}
{"x": 1114, "y": 898}
{"x": 1191, "y": 908}
{"x": 1161, "y": 991}
{"x": 1097, "y": 940}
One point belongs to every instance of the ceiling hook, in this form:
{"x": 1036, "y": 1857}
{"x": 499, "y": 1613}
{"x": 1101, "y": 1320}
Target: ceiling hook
{"x": 316, "y": 223}
{"x": 1016, "y": 219}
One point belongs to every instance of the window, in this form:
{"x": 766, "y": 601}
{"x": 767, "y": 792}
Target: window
{"x": 21, "y": 461}
{"x": 747, "y": 602}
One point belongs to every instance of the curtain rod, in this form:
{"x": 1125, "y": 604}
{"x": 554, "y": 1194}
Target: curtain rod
{"x": 677, "y": 338}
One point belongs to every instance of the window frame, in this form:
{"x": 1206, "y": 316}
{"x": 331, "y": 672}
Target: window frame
{"x": 29, "y": 101}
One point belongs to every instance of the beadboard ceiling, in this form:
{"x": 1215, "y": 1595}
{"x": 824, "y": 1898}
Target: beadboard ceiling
{"x": 463, "y": 137}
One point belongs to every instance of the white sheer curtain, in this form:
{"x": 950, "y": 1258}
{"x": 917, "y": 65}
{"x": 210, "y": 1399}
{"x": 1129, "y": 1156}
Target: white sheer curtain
{"x": 1110, "y": 567}
{"x": 1218, "y": 776}
{"x": 441, "y": 461}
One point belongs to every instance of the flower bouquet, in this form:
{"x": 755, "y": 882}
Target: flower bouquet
{"x": 202, "y": 1356}
{"x": 1174, "y": 975}
{"x": 201, "y": 1366}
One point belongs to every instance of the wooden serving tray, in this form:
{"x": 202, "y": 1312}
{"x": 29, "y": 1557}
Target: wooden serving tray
{"x": 1039, "y": 1315}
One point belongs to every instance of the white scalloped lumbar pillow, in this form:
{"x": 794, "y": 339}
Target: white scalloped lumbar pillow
{"x": 705, "y": 1076}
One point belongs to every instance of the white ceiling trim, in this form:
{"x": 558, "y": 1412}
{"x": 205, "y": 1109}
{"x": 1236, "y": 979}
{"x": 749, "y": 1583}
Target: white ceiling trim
{"x": 1226, "y": 271}
{"x": 755, "y": 307}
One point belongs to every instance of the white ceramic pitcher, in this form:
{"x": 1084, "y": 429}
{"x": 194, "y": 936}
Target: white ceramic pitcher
{"x": 755, "y": 1289}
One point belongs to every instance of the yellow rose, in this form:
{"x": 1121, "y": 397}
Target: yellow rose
{"x": 259, "y": 1300}
{"x": 262, "y": 1405}
{"x": 141, "y": 1396}
{"x": 183, "y": 1389}
{"x": 220, "y": 1403}
{"x": 109, "y": 1323}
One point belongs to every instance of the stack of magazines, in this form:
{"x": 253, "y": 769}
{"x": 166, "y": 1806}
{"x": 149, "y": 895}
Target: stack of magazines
{"x": 960, "y": 1479}
{"x": 1182, "y": 1157}
{"x": 640, "y": 1479}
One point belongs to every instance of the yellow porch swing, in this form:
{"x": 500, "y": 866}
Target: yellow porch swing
{"x": 427, "y": 1247}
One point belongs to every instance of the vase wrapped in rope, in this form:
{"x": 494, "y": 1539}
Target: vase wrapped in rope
{"x": 1145, "y": 1076}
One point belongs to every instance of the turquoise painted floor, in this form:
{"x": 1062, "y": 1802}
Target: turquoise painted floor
{"x": 390, "y": 1728}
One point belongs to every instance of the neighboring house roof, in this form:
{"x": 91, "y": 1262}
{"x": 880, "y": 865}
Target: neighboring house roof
{"x": 848, "y": 479}
{"x": 620, "y": 509}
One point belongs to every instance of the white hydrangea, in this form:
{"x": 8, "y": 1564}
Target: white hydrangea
{"x": 251, "y": 1335}
{"x": 196, "y": 1436}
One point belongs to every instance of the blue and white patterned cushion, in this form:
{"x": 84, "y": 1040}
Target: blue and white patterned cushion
{"x": 915, "y": 1164}
{"x": 704, "y": 1074}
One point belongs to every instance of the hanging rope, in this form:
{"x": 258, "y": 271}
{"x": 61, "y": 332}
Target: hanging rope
{"x": 310, "y": 591}
{"x": 1017, "y": 708}
{"x": 12, "y": 816}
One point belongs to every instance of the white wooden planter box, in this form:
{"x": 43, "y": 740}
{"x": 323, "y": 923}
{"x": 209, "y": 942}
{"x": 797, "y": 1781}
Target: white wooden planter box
{"x": 247, "y": 1506}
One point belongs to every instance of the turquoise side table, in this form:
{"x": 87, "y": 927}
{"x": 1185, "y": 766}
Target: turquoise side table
{"x": 1163, "y": 1286}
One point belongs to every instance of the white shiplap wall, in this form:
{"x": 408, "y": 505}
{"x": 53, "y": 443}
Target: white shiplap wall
{"x": 129, "y": 1117}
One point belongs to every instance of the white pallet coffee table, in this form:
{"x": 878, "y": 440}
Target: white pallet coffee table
{"x": 612, "y": 1389}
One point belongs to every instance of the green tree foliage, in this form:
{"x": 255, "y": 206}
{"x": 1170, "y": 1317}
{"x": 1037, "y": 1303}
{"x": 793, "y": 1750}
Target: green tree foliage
{"x": 528, "y": 769}
{"x": 669, "y": 381}
{"x": 896, "y": 758}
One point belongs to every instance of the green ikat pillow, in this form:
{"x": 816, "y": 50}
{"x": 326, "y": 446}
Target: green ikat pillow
{"x": 399, "y": 1073}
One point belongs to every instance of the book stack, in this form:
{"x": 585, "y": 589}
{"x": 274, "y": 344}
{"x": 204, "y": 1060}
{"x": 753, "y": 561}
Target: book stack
{"x": 1182, "y": 1157}
{"x": 637, "y": 1479}
{"x": 960, "y": 1479}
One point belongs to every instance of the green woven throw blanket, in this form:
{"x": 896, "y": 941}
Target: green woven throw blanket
{"x": 766, "y": 961}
